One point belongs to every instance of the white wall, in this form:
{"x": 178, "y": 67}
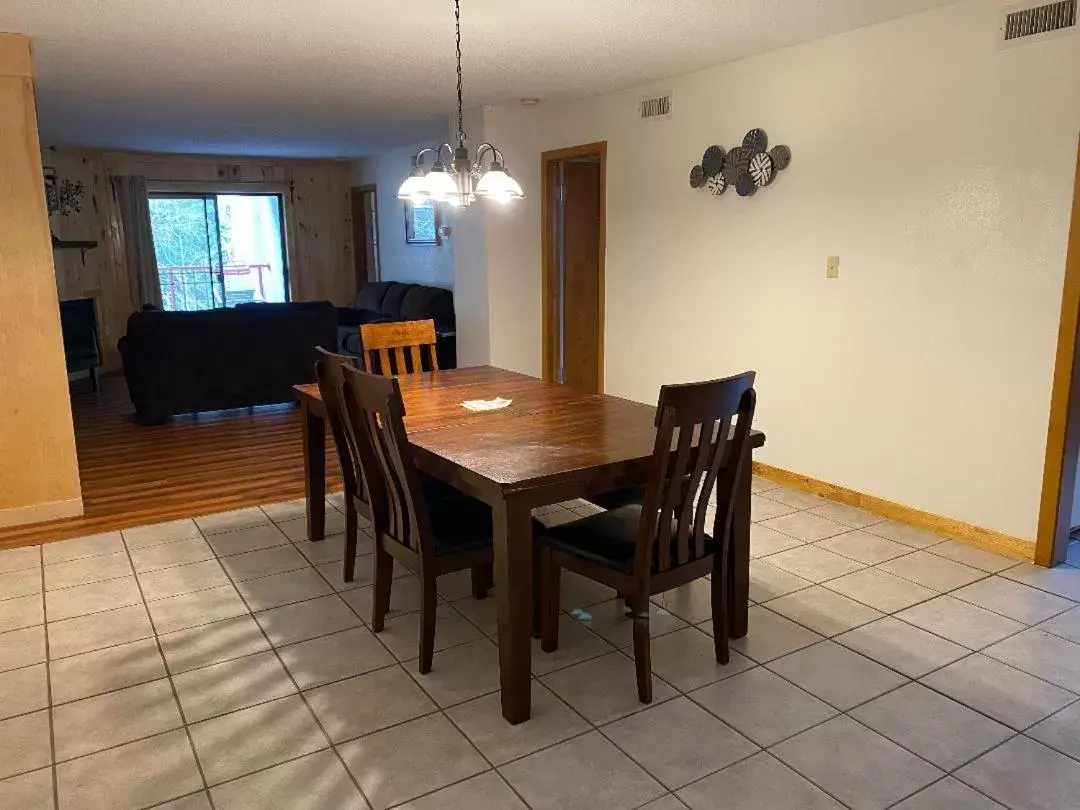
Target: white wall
{"x": 400, "y": 261}
{"x": 937, "y": 168}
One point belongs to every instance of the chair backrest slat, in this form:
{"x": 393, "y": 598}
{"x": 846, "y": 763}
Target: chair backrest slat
{"x": 701, "y": 441}
{"x": 397, "y": 337}
{"x": 376, "y": 414}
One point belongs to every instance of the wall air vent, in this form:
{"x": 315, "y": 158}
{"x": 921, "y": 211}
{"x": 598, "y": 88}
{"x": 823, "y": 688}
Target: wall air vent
{"x": 1036, "y": 21}
{"x": 655, "y": 107}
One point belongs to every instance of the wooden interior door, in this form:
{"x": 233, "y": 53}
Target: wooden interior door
{"x": 581, "y": 283}
{"x": 365, "y": 218}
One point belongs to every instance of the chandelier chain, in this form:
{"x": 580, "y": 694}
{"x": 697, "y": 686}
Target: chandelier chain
{"x": 460, "y": 123}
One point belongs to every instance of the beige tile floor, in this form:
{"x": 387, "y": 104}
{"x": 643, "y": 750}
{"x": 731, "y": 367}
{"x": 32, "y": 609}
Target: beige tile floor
{"x": 222, "y": 663}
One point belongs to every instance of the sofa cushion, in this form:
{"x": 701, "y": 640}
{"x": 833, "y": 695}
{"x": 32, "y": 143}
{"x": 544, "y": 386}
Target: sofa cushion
{"x": 421, "y": 303}
{"x": 391, "y": 303}
{"x": 371, "y": 295}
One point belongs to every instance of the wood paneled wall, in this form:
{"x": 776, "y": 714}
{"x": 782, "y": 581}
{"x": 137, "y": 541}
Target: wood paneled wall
{"x": 104, "y": 275}
{"x": 317, "y": 212}
{"x": 39, "y": 476}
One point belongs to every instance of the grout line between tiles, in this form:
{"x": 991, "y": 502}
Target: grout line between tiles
{"x": 303, "y": 697}
{"x": 48, "y": 687}
{"x": 172, "y": 687}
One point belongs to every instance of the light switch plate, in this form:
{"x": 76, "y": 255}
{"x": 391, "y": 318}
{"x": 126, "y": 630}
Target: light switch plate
{"x": 832, "y": 267}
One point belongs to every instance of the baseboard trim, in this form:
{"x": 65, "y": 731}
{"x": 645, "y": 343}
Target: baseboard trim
{"x": 988, "y": 539}
{"x": 41, "y": 512}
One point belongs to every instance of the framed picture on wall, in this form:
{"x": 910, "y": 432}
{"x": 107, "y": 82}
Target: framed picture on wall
{"x": 422, "y": 223}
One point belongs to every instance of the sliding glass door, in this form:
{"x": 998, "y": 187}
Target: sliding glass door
{"x": 219, "y": 250}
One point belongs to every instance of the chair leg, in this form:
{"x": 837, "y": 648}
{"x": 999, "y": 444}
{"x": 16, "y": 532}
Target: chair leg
{"x": 427, "y": 624}
{"x": 384, "y": 578}
{"x": 538, "y": 589}
{"x": 483, "y": 577}
{"x": 719, "y": 610}
{"x": 550, "y": 574}
{"x": 351, "y": 530}
{"x": 642, "y": 647}
{"x": 94, "y": 378}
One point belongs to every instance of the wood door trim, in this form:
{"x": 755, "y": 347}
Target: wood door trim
{"x": 547, "y": 254}
{"x": 1063, "y": 429}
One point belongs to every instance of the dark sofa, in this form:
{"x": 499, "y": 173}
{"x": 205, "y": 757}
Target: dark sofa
{"x": 183, "y": 362}
{"x": 386, "y": 301}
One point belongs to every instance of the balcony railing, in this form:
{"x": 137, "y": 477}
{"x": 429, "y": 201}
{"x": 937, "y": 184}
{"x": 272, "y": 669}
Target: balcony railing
{"x": 199, "y": 287}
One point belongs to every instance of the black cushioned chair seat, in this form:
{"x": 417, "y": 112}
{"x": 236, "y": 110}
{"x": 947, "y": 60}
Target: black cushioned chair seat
{"x": 459, "y": 523}
{"x": 607, "y": 538}
{"x": 619, "y": 498}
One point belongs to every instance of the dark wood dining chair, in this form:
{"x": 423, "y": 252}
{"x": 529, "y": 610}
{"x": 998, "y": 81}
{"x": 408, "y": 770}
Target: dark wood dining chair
{"x": 429, "y": 537}
{"x": 391, "y": 340}
{"x": 329, "y": 371}
{"x": 644, "y": 549}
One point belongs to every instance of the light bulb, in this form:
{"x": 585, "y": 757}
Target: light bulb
{"x": 415, "y": 187}
{"x": 440, "y": 185}
{"x": 497, "y": 184}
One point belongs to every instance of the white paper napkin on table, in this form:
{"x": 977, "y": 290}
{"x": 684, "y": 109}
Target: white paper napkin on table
{"x": 486, "y": 404}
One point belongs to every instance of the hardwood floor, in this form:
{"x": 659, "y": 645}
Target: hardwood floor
{"x": 194, "y": 465}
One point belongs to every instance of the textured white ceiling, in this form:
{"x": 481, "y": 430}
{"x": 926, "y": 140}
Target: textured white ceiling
{"x": 346, "y": 78}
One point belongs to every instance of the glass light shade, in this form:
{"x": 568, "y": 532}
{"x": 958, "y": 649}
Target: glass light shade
{"x": 440, "y": 185}
{"x": 497, "y": 184}
{"x": 415, "y": 187}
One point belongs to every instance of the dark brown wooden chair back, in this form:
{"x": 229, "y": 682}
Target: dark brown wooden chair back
{"x": 376, "y": 415}
{"x": 696, "y": 419}
{"x": 329, "y": 371}
{"x": 391, "y": 340}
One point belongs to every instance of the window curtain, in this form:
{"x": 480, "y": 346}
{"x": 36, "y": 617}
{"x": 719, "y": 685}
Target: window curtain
{"x": 134, "y": 205}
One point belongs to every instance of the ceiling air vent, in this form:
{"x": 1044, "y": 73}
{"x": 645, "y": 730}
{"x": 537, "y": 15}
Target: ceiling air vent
{"x": 655, "y": 107}
{"x": 1033, "y": 22}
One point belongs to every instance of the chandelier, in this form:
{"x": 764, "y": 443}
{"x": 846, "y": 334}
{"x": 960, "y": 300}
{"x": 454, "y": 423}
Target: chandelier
{"x": 466, "y": 179}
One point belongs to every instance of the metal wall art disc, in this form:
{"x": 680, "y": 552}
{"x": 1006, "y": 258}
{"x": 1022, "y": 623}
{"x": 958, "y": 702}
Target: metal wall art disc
{"x": 761, "y": 169}
{"x": 756, "y": 141}
{"x": 748, "y": 167}
{"x": 713, "y": 160}
{"x": 781, "y": 157}
{"x": 736, "y": 162}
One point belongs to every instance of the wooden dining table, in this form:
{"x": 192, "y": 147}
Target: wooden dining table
{"x": 552, "y": 444}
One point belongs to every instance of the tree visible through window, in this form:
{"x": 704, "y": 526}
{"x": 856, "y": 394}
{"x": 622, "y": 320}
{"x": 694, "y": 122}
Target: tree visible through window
{"x": 421, "y": 223}
{"x": 216, "y": 250}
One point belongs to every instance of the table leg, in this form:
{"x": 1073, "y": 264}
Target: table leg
{"x": 314, "y": 432}
{"x": 514, "y": 580}
{"x": 739, "y": 555}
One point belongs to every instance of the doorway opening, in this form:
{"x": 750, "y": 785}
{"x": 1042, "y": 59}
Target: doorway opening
{"x": 1059, "y": 509}
{"x": 365, "y": 218}
{"x": 573, "y": 227}
{"x": 219, "y": 250}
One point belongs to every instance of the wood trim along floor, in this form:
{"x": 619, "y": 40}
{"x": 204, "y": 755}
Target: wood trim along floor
{"x": 988, "y": 539}
{"x": 38, "y": 512}
{"x": 195, "y": 465}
